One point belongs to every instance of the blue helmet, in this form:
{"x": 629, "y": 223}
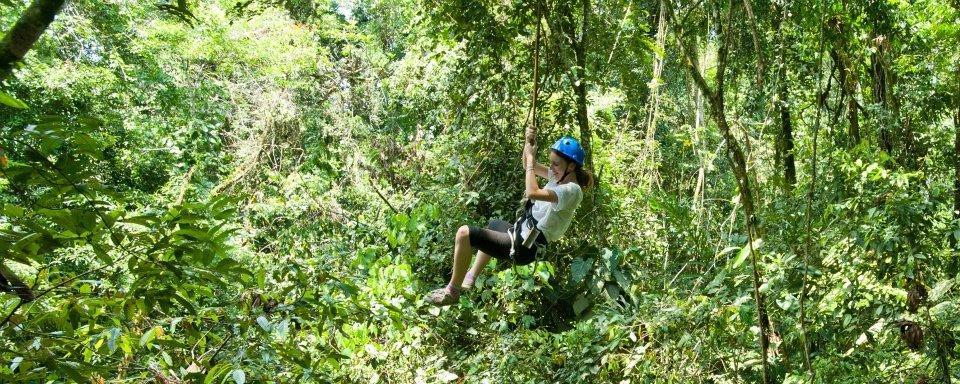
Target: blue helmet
{"x": 570, "y": 148}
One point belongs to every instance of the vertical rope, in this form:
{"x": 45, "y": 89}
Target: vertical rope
{"x": 810, "y": 195}
{"x": 651, "y": 119}
{"x": 532, "y": 126}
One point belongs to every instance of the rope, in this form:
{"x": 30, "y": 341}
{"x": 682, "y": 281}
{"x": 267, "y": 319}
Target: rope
{"x": 531, "y": 131}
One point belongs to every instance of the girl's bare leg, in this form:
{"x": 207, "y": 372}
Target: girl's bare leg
{"x": 462, "y": 252}
{"x": 478, "y": 264}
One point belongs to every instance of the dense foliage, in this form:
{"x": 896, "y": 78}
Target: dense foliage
{"x": 263, "y": 191}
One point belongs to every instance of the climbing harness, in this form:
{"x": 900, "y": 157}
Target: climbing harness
{"x": 524, "y": 234}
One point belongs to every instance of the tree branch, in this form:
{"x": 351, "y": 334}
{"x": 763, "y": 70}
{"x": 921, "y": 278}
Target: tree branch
{"x": 26, "y": 32}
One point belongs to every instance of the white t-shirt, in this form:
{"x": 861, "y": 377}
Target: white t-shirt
{"x": 553, "y": 219}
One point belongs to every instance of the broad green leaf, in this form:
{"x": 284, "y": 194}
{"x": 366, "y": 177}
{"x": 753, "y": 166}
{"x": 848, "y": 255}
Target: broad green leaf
{"x": 219, "y": 370}
{"x": 613, "y": 292}
{"x": 148, "y": 336}
{"x": 12, "y": 210}
{"x": 282, "y": 329}
{"x": 940, "y": 290}
{"x": 622, "y": 280}
{"x": 10, "y": 101}
{"x": 580, "y": 268}
{"x": 447, "y": 376}
{"x": 186, "y": 303}
{"x": 580, "y": 304}
{"x": 238, "y": 376}
{"x": 15, "y": 363}
{"x": 717, "y": 280}
{"x": 112, "y": 336}
{"x": 125, "y": 345}
{"x": 27, "y": 240}
{"x": 726, "y": 250}
{"x": 70, "y": 369}
{"x": 101, "y": 253}
{"x": 264, "y": 323}
{"x": 745, "y": 252}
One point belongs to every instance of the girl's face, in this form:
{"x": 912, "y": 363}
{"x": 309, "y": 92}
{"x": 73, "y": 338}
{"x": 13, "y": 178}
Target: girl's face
{"x": 559, "y": 165}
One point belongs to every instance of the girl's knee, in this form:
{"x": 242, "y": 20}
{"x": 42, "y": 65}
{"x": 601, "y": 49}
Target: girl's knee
{"x": 463, "y": 233}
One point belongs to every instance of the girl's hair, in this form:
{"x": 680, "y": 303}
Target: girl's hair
{"x": 584, "y": 177}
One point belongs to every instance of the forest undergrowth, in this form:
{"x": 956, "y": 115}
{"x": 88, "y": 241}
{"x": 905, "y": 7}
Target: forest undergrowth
{"x": 263, "y": 191}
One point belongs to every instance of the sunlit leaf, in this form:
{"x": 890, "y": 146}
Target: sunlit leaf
{"x": 10, "y": 101}
{"x": 745, "y": 252}
{"x": 238, "y": 376}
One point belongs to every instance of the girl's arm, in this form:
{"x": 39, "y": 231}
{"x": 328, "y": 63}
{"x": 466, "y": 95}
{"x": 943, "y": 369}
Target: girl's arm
{"x": 532, "y": 190}
{"x": 538, "y": 169}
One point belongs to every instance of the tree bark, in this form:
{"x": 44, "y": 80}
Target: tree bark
{"x": 26, "y": 32}
{"x": 580, "y": 86}
{"x": 848, "y": 86}
{"x": 653, "y": 106}
{"x": 878, "y": 73}
{"x": 761, "y": 63}
{"x": 786, "y": 124}
{"x": 10, "y": 283}
{"x": 955, "y": 264}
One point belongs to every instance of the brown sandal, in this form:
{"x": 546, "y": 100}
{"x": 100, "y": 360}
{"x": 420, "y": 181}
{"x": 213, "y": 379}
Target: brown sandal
{"x": 441, "y": 297}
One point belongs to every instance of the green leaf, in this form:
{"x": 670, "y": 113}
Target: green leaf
{"x": 12, "y": 210}
{"x": 264, "y": 323}
{"x": 112, "y": 334}
{"x": 580, "y": 268}
{"x": 125, "y": 345}
{"x": 148, "y": 336}
{"x": 27, "y": 240}
{"x": 196, "y": 234}
{"x": 613, "y": 292}
{"x": 717, "y": 280}
{"x": 216, "y": 372}
{"x": 239, "y": 377}
{"x": 186, "y": 303}
{"x": 8, "y": 100}
{"x": 726, "y": 251}
{"x": 69, "y": 369}
{"x": 15, "y": 363}
{"x": 745, "y": 252}
{"x": 101, "y": 253}
{"x": 940, "y": 290}
{"x": 580, "y": 304}
{"x": 622, "y": 280}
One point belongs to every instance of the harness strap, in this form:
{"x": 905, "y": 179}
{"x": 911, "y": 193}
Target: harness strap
{"x": 526, "y": 218}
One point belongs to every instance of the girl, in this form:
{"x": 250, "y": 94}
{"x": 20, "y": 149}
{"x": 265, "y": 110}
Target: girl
{"x": 553, "y": 208}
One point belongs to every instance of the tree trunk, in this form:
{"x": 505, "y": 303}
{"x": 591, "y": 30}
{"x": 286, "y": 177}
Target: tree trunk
{"x": 653, "y": 105}
{"x": 580, "y": 86}
{"x": 14, "y": 46}
{"x": 878, "y": 72}
{"x": 758, "y": 48}
{"x": 848, "y": 86}
{"x": 955, "y": 265}
{"x": 786, "y": 125}
{"x": 26, "y": 32}
{"x": 10, "y": 283}
{"x": 739, "y": 163}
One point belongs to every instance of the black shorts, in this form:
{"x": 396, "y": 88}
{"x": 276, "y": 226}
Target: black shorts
{"x": 494, "y": 241}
